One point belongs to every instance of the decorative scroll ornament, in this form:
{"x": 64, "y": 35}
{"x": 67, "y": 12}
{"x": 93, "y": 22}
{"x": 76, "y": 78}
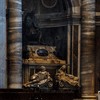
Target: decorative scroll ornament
{"x": 49, "y": 3}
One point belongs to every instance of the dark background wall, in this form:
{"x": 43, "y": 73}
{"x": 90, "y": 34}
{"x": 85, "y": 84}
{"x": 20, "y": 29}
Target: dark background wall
{"x": 97, "y": 70}
{"x": 36, "y": 16}
{"x": 97, "y": 58}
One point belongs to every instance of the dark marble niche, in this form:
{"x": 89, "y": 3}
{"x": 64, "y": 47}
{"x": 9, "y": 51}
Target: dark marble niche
{"x": 48, "y": 26}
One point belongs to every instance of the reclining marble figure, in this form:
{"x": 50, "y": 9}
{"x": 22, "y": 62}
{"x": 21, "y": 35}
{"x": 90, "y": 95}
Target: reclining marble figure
{"x": 61, "y": 75}
{"x": 39, "y": 78}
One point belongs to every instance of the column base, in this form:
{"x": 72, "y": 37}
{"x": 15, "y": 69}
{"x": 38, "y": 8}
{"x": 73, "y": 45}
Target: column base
{"x": 15, "y": 86}
{"x": 89, "y": 97}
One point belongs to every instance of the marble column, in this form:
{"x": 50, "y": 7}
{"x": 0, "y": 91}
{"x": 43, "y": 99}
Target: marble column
{"x": 3, "y": 68}
{"x": 88, "y": 49}
{"x": 15, "y": 43}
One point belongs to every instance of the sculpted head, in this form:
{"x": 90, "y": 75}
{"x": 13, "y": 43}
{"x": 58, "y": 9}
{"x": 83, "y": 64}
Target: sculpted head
{"x": 63, "y": 67}
{"x": 43, "y": 68}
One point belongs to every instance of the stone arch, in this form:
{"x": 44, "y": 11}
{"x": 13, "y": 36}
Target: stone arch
{"x": 74, "y": 6}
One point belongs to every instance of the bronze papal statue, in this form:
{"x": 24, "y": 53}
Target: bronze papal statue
{"x": 39, "y": 78}
{"x": 61, "y": 75}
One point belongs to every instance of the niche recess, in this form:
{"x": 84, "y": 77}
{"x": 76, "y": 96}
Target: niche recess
{"x": 49, "y": 23}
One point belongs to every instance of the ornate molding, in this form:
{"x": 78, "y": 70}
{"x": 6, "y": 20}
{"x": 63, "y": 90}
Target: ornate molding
{"x": 49, "y": 3}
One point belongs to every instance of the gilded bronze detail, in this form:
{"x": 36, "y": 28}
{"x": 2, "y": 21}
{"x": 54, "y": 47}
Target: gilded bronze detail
{"x": 34, "y": 58}
{"x": 61, "y": 75}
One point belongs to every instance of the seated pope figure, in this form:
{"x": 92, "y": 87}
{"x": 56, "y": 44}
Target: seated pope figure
{"x": 40, "y": 77}
{"x": 67, "y": 78}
